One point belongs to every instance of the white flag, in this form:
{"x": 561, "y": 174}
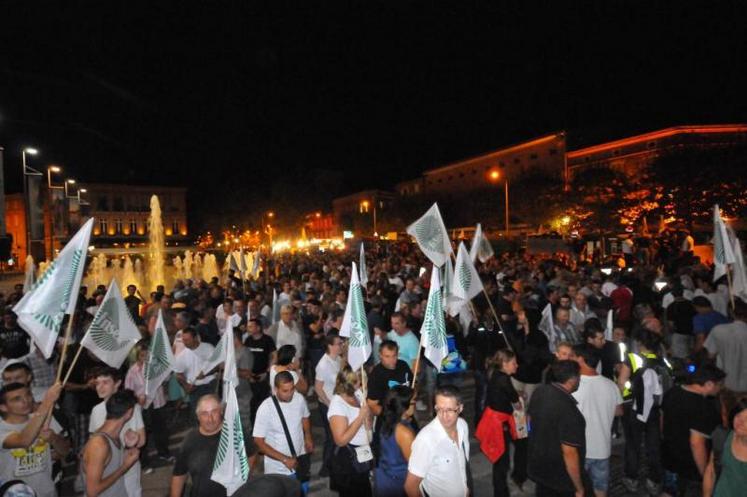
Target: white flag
{"x": 28, "y": 279}
{"x": 722, "y": 249}
{"x": 232, "y": 264}
{"x": 112, "y": 332}
{"x": 231, "y": 467}
{"x": 354, "y": 324}
{"x": 41, "y": 311}
{"x": 446, "y": 281}
{"x": 275, "y": 307}
{"x": 481, "y": 248}
{"x": 466, "y": 284}
{"x": 431, "y": 236}
{"x": 242, "y": 261}
{"x": 160, "y": 359}
{"x": 433, "y": 331}
{"x": 230, "y": 373}
{"x": 547, "y": 326}
{"x": 363, "y": 268}
{"x": 739, "y": 279}
{"x": 255, "y": 265}
{"x": 610, "y": 325}
{"x": 218, "y": 355}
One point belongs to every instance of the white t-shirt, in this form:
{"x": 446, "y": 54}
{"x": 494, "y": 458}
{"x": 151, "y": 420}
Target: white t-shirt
{"x": 189, "y": 363}
{"x": 267, "y": 425}
{"x": 290, "y": 335}
{"x": 32, "y": 465}
{"x": 338, "y": 407}
{"x": 326, "y": 372}
{"x": 440, "y": 461}
{"x": 135, "y": 423}
{"x": 597, "y": 398}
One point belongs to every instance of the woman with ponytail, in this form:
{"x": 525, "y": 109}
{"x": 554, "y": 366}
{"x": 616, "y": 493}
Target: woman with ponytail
{"x": 397, "y": 435}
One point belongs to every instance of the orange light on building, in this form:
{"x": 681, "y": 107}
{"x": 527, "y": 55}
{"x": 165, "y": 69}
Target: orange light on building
{"x": 494, "y": 175}
{"x": 168, "y": 231}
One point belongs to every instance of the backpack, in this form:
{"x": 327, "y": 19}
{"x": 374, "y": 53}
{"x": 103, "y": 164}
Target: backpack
{"x": 664, "y": 374}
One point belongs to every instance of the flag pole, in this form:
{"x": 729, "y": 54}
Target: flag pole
{"x": 66, "y": 341}
{"x": 728, "y": 281}
{"x": 72, "y": 365}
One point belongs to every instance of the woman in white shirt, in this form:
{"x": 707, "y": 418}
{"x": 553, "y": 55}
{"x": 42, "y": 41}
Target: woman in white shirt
{"x": 349, "y": 422}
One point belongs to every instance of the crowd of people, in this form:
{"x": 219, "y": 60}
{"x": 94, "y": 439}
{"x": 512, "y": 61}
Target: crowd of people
{"x": 669, "y": 377}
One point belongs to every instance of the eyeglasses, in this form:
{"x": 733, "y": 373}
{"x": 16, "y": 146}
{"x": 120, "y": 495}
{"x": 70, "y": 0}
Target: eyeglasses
{"x": 448, "y": 410}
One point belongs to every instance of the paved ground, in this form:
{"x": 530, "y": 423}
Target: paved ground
{"x": 157, "y": 483}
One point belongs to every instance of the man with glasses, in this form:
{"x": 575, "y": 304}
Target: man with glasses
{"x": 439, "y": 461}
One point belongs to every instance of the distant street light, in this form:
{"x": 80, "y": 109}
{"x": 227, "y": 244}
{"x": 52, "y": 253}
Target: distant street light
{"x": 494, "y": 176}
{"x": 27, "y": 171}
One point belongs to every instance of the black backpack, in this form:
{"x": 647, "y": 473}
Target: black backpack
{"x": 663, "y": 372}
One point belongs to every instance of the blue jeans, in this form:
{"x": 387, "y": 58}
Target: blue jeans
{"x": 599, "y": 472}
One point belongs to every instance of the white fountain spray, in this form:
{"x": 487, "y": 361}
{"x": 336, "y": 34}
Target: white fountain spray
{"x": 156, "y": 247}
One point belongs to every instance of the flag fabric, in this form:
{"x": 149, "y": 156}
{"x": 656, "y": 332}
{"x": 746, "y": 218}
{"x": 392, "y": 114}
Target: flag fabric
{"x": 219, "y": 353}
{"x": 354, "y": 324}
{"x": 363, "y": 268}
{"x": 431, "y": 236}
{"x": 739, "y": 277}
{"x": 547, "y": 326}
{"x": 112, "y": 332}
{"x": 466, "y": 283}
{"x": 481, "y": 248}
{"x": 275, "y": 306}
{"x": 160, "y": 359}
{"x": 255, "y": 265}
{"x": 230, "y": 373}
{"x": 446, "y": 281}
{"x": 433, "y": 330}
{"x": 242, "y": 261}
{"x": 231, "y": 466}
{"x": 232, "y": 264}
{"x": 28, "y": 277}
{"x": 723, "y": 253}
{"x": 610, "y": 325}
{"x": 41, "y": 310}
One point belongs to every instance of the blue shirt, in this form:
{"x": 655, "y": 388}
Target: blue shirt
{"x": 409, "y": 346}
{"x": 703, "y": 323}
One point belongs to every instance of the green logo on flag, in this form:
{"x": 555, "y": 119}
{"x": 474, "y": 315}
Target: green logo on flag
{"x": 429, "y": 233}
{"x": 104, "y": 328}
{"x": 158, "y": 362}
{"x": 465, "y": 276}
{"x": 358, "y": 324}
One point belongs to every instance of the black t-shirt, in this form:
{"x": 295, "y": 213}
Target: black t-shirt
{"x": 261, "y": 348}
{"x": 501, "y": 393}
{"x": 382, "y": 379}
{"x": 610, "y": 357}
{"x": 133, "y": 305}
{"x": 681, "y": 313}
{"x": 14, "y": 342}
{"x": 196, "y": 458}
{"x": 555, "y": 420}
{"x": 684, "y": 412}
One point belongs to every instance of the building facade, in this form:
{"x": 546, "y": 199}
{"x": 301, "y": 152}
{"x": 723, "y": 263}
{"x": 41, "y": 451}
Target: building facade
{"x": 122, "y": 212}
{"x": 632, "y": 154}
{"x": 320, "y": 225}
{"x": 362, "y": 212}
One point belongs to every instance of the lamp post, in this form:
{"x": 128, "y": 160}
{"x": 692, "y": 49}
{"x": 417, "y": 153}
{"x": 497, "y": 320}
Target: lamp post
{"x": 494, "y": 176}
{"x": 364, "y": 208}
{"x": 56, "y": 200}
{"x": 27, "y": 171}
{"x": 266, "y": 227}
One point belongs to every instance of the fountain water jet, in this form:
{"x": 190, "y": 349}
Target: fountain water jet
{"x": 156, "y": 247}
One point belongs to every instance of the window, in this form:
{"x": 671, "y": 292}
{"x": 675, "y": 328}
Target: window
{"x": 133, "y": 226}
{"x": 416, "y": 188}
{"x": 118, "y": 204}
{"x": 474, "y": 172}
{"x": 102, "y": 226}
{"x": 533, "y": 156}
{"x": 553, "y": 151}
{"x": 175, "y": 227}
{"x": 461, "y": 175}
{"x": 440, "y": 180}
{"x": 102, "y": 204}
{"x": 118, "y": 226}
{"x": 651, "y": 145}
{"x": 516, "y": 160}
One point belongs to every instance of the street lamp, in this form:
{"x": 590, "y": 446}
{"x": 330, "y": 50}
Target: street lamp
{"x": 266, "y": 226}
{"x": 494, "y": 176}
{"x": 364, "y": 208}
{"x": 28, "y": 171}
{"x": 50, "y": 171}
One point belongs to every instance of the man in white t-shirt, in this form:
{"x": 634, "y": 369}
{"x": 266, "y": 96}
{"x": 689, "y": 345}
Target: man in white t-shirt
{"x": 269, "y": 434}
{"x": 25, "y": 443}
{"x": 108, "y": 381}
{"x": 188, "y": 366}
{"x": 599, "y": 401}
{"x": 326, "y": 375}
{"x": 440, "y": 452}
{"x": 286, "y": 331}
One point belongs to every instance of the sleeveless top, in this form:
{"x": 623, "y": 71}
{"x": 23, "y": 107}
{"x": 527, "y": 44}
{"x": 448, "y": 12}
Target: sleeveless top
{"x": 733, "y": 478}
{"x": 115, "y": 461}
{"x": 391, "y": 460}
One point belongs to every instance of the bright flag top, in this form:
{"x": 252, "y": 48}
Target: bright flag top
{"x": 547, "y": 326}
{"x": 160, "y": 361}
{"x": 480, "y": 248}
{"x": 231, "y": 467}
{"x": 42, "y": 310}
{"x": 232, "y": 264}
{"x": 466, "y": 283}
{"x": 431, "y": 236}
{"x": 363, "y": 267}
{"x": 230, "y": 373}
{"x": 242, "y": 261}
{"x": 255, "y": 265}
{"x": 723, "y": 253}
{"x": 610, "y": 325}
{"x": 112, "y": 332}
{"x": 739, "y": 280}
{"x": 433, "y": 331}
{"x": 28, "y": 277}
{"x": 354, "y": 324}
{"x": 446, "y": 279}
{"x": 219, "y": 353}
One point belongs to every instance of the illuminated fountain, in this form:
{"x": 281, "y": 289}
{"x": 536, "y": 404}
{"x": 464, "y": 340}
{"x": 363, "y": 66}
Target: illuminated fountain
{"x": 210, "y": 268}
{"x": 156, "y": 247}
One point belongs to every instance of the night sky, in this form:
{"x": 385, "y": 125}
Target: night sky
{"x": 261, "y": 104}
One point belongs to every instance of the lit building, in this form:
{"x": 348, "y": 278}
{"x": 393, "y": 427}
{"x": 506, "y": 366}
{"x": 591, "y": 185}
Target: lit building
{"x": 361, "y": 212}
{"x": 630, "y": 155}
{"x": 122, "y": 212}
{"x": 545, "y": 153}
{"x": 320, "y": 225}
